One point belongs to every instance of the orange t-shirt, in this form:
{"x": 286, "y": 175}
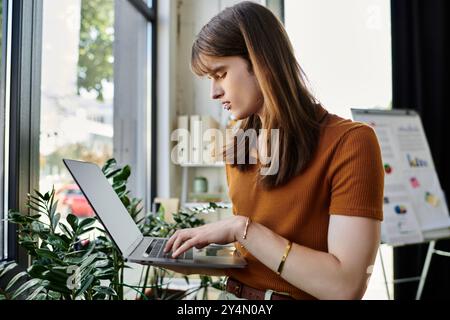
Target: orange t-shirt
{"x": 344, "y": 177}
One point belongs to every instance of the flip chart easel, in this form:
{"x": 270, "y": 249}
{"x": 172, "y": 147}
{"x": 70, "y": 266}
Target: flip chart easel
{"x": 415, "y": 207}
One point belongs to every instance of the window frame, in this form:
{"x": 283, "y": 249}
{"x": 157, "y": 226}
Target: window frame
{"x": 24, "y": 111}
{"x": 5, "y": 57}
{"x": 129, "y": 147}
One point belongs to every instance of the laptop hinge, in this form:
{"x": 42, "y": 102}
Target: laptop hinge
{"x": 133, "y": 246}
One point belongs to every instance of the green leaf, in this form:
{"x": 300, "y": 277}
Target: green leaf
{"x": 65, "y": 230}
{"x": 8, "y": 267}
{"x": 86, "y": 222}
{"x": 109, "y": 163}
{"x": 213, "y": 205}
{"x": 36, "y": 207}
{"x": 101, "y": 263}
{"x": 45, "y": 253}
{"x": 56, "y": 218}
{"x": 126, "y": 201}
{"x": 15, "y": 279}
{"x": 59, "y": 287}
{"x": 27, "y": 285}
{"x": 85, "y": 285}
{"x": 39, "y": 194}
{"x": 36, "y": 293}
{"x": 112, "y": 173}
{"x": 56, "y": 276}
{"x": 120, "y": 188}
{"x": 38, "y": 199}
{"x": 81, "y": 232}
{"x": 52, "y": 194}
{"x": 88, "y": 260}
{"x": 58, "y": 242}
{"x": 54, "y": 295}
{"x": 105, "y": 275}
{"x": 105, "y": 290}
{"x": 123, "y": 175}
{"x": 47, "y": 196}
{"x": 41, "y": 211}
{"x": 37, "y": 226}
{"x": 73, "y": 221}
{"x": 36, "y": 270}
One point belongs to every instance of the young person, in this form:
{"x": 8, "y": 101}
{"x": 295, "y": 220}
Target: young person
{"x": 308, "y": 220}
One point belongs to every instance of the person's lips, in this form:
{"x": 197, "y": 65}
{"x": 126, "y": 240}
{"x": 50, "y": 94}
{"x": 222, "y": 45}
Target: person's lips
{"x": 226, "y": 105}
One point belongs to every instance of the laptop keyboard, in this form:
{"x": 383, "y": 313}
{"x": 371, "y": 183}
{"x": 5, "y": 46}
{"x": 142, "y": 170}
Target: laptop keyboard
{"x": 156, "y": 250}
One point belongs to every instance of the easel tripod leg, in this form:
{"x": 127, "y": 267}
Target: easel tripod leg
{"x": 426, "y": 266}
{"x": 384, "y": 274}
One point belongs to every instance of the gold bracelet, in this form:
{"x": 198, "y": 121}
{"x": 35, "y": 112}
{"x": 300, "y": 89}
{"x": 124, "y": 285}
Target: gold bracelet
{"x": 247, "y": 223}
{"x": 283, "y": 259}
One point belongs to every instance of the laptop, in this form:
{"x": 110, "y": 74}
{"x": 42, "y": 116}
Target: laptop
{"x": 125, "y": 234}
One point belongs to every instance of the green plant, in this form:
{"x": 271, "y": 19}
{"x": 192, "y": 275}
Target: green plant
{"x": 67, "y": 265}
{"x": 63, "y": 265}
{"x": 156, "y": 226}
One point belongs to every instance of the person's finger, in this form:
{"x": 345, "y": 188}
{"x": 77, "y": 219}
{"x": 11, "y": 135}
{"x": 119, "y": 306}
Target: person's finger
{"x": 171, "y": 241}
{"x": 184, "y": 247}
{"x": 182, "y": 237}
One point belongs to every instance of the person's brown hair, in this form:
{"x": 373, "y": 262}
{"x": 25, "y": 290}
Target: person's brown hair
{"x": 253, "y": 32}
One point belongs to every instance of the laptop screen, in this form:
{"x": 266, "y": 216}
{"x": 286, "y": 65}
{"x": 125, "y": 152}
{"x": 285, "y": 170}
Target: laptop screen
{"x": 105, "y": 202}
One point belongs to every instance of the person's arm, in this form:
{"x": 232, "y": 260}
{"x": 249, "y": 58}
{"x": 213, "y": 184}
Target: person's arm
{"x": 340, "y": 273}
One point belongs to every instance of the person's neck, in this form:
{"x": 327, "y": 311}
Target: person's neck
{"x": 261, "y": 116}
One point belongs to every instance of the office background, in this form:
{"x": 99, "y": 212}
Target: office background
{"x": 95, "y": 79}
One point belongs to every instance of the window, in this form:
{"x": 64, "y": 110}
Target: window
{"x": 77, "y": 91}
{"x": 67, "y": 72}
{"x": 344, "y": 47}
{"x": 95, "y": 92}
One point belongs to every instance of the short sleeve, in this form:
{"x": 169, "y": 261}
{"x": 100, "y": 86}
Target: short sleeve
{"x": 357, "y": 175}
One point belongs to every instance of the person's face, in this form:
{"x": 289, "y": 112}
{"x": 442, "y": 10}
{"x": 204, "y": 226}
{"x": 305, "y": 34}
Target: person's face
{"x": 236, "y": 88}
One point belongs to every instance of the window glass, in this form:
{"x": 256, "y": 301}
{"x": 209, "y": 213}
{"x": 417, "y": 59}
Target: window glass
{"x": 77, "y": 92}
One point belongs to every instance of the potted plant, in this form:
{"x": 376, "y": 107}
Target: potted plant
{"x": 66, "y": 265}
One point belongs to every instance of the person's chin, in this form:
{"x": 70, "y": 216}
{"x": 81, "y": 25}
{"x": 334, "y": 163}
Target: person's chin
{"x": 239, "y": 116}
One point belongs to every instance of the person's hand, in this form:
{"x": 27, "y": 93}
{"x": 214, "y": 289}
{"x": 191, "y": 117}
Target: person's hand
{"x": 220, "y": 232}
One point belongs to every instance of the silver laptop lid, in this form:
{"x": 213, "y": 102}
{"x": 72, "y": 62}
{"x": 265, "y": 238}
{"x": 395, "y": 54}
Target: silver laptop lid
{"x": 106, "y": 204}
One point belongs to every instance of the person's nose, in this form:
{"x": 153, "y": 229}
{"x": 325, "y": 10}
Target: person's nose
{"x": 216, "y": 90}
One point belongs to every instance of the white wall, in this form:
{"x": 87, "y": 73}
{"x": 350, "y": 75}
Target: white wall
{"x": 180, "y": 91}
{"x": 344, "y": 48}
{"x": 131, "y": 121}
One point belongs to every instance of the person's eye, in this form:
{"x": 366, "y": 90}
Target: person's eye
{"x": 222, "y": 76}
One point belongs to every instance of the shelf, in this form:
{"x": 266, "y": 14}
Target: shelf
{"x": 186, "y": 168}
{"x": 206, "y": 197}
{"x": 190, "y": 205}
